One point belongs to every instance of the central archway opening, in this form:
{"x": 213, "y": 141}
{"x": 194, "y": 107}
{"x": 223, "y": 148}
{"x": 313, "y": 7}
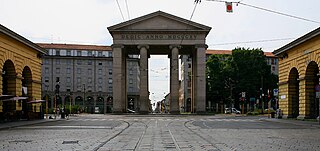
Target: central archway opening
{"x": 159, "y": 83}
{"x": 293, "y": 109}
{"x": 312, "y": 79}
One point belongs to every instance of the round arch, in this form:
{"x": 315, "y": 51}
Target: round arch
{"x": 89, "y": 102}
{"x": 293, "y": 100}
{"x": 78, "y": 101}
{"x": 312, "y": 79}
{"x": 27, "y": 82}
{"x": 8, "y": 78}
{"x": 100, "y": 103}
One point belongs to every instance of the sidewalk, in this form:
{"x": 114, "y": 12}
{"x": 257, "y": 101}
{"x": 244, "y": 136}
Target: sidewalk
{"x": 8, "y": 125}
{"x": 293, "y": 121}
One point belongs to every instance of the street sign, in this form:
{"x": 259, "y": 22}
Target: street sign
{"x": 243, "y": 94}
{"x": 275, "y": 92}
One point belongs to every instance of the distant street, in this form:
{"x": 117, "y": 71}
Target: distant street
{"x": 160, "y": 132}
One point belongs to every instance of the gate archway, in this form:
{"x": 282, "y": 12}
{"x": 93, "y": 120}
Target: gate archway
{"x": 159, "y": 33}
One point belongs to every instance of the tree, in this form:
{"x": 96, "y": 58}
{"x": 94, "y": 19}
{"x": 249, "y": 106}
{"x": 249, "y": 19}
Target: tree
{"x": 246, "y": 70}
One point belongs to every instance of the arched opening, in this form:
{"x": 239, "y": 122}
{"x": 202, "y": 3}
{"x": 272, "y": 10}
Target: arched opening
{"x": 109, "y": 104}
{"x": 312, "y": 105}
{"x": 78, "y": 101}
{"x": 27, "y": 83}
{"x": 293, "y": 102}
{"x": 100, "y": 105}
{"x": 8, "y": 78}
{"x": 89, "y": 104}
{"x": 68, "y": 101}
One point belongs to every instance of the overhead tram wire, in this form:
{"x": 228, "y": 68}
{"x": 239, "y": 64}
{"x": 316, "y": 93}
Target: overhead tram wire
{"x": 269, "y": 10}
{"x": 256, "y": 41}
{"x": 120, "y": 10}
{"x": 127, "y": 9}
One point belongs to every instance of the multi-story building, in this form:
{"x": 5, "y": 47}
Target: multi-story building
{"x": 185, "y": 85}
{"x": 83, "y": 74}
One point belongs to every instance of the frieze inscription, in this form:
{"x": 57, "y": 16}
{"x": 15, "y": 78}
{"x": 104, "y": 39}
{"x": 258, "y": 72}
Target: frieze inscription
{"x": 158, "y": 37}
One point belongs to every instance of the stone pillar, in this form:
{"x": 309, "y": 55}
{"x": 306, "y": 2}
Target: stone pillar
{"x": 199, "y": 70}
{"x": 174, "y": 80}
{"x": 119, "y": 79}
{"x": 144, "y": 83}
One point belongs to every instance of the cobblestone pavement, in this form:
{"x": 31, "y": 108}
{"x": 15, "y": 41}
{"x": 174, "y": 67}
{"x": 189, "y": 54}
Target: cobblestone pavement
{"x": 185, "y": 133}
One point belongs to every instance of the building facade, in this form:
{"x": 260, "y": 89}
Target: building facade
{"x": 84, "y": 71}
{"x": 20, "y": 81}
{"x": 299, "y": 76}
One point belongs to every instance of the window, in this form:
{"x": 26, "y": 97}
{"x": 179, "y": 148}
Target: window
{"x": 68, "y": 70}
{"x": 130, "y": 81}
{"x": 110, "y": 81}
{"x": 46, "y": 70}
{"x": 100, "y": 54}
{"x": 273, "y": 68}
{"x": 110, "y": 71}
{"x": 78, "y": 70}
{"x": 100, "y": 80}
{"x": 46, "y": 79}
{"x": 78, "y": 62}
{"x": 46, "y": 61}
{"x": 68, "y": 62}
{"x": 100, "y": 63}
{"x": 89, "y": 62}
{"x": 78, "y": 53}
{"x": 189, "y": 65}
{"x": 57, "y": 52}
{"x": 89, "y": 71}
{"x": 90, "y": 80}
{"x": 130, "y": 89}
{"x": 79, "y": 80}
{"x": 110, "y": 63}
{"x": 110, "y": 89}
{"x": 100, "y": 71}
{"x": 130, "y": 71}
{"x": 68, "y": 80}
{"x": 89, "y": 53}
{"x": 57, "y": 61}
{"x": 110, "y": 53}
{"x": 100, "y": 88}
{"x": 68, "y": 52}
{"x": 57, "y": 70}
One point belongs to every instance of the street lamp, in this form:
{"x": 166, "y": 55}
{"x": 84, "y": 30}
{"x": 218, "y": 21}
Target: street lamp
{"x": 84, "y": 95}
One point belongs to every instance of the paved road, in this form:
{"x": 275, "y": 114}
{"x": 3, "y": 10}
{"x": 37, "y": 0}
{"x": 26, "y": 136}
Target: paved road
{"x": 134, "y": 132}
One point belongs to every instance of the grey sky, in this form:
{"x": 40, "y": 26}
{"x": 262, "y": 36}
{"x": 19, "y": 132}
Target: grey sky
{"x": 86, "y": 22}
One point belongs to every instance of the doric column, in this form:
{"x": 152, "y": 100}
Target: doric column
{"x": 119, "y": 79}
{"x": 174, "y": 80}
{"x": 199, "y": 67}
{"x": 144, "y": 83}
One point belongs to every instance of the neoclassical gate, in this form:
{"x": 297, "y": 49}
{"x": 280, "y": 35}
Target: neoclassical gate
{"x": 165, "y": 34}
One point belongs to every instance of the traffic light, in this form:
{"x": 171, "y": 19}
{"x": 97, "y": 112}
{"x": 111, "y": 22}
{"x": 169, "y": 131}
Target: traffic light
{"x": 229, "y": 7}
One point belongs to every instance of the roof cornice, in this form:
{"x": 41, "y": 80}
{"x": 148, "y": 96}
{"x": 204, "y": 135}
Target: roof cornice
{"x": 21, "y": 39}
{"x": 298, "y": 41}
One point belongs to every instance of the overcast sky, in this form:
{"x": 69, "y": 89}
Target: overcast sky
{"x": 86, "y": 22}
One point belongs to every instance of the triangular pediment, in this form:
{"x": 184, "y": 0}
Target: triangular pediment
{"x": 159, "y": 21}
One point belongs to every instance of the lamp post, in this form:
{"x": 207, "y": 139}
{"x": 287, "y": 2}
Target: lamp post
{"x": 84, "y": 95}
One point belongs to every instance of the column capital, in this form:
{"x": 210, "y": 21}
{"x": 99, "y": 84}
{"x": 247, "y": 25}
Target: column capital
{"x": 175, "y": 46}
{"x": 201, "y": 46}
{"x": 141, "y": 46}
{"x": 117, "y": 46}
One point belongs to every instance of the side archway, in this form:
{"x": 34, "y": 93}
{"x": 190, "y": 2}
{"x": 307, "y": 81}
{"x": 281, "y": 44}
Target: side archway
{"x": 27, "y": 82}
{"x": 293, "y": 102}
{"x": 8, "y": 78}
{"x": 312, "y": 79}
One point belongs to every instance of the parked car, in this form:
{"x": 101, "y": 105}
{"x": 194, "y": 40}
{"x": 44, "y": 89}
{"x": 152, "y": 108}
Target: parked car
{"x": 234, "y": 110}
